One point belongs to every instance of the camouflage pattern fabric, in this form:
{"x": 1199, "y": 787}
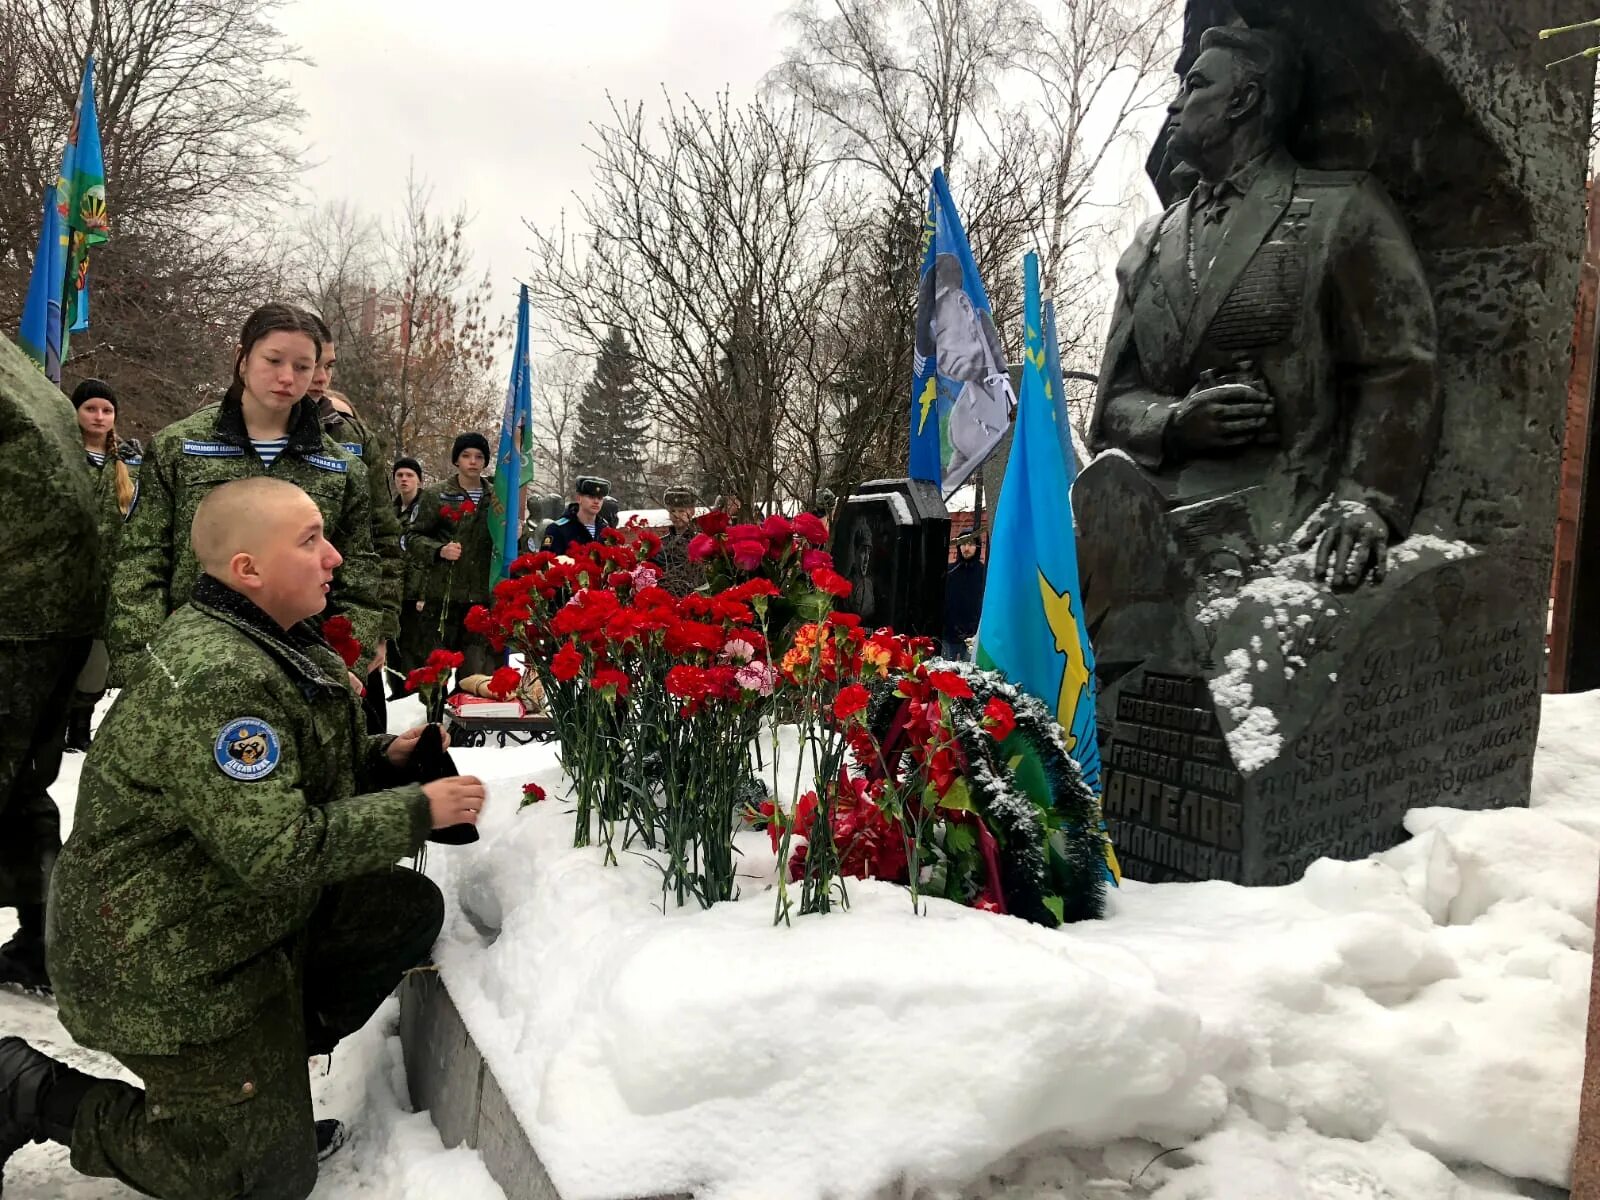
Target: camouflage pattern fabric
{"x": 467, "y": 579}
{"x": 355, "y": 438}
{"x": 221, "y": 794}
{"x": 48, "y": 549}
{"x": 233, "y": 1118}
{"x": 110, "y": 519}
{"x": 156, "y": 568}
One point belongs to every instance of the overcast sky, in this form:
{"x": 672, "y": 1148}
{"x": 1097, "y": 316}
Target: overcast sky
{"x": 492, "y": 99}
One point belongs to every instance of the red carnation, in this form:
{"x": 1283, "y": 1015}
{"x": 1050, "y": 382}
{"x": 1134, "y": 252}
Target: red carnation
{"x": 701, "y": 547}
{"x": 341, "y": 635}
{"x": 825, "y": 579}
{"x": 467, "y": 509}
{"x": 777, "y": 526}
{"x": 619, "y": 579}
{"x": 999, "y": 719}
{"x": 812, "y": 529}
{"x": 849, "y": 701}
{"x": 479, "y": 620}
{"x": 611, "y": 677}
{"x": 816, "y": 560}
{"x": 685, "y": 681}
{"x": 713, "y": 522}
{"x": 532, "y": 793}
{"x": 949, "y": 683}
{"x": 505, "y": 682}
{"x": 564, "y": 666}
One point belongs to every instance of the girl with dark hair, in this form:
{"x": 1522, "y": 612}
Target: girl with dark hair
{"x": 114, "y": 465}
{"x": 263, "y": 425}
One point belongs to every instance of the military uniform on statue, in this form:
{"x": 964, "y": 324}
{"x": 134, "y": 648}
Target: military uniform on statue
{"x": 1270, "y": 363}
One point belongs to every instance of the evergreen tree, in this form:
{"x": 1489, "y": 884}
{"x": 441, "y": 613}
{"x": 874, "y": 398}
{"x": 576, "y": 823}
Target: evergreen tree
{"x": 611, "y": 424}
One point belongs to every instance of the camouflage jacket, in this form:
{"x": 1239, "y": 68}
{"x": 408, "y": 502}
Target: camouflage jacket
{"x": 355, "y": 438}
{"x": 109, "y": 516}
{"x": 156, "y": 567}
{"x": 50, "y": 558}
{"x": 227, "y": 785}
{"x": 465, "y": 581}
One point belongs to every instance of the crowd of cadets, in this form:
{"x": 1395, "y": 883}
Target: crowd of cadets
{"x": 227, "y": 903}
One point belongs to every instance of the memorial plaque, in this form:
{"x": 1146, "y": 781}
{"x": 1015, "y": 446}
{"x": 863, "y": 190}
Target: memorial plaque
{"x": 891, "y": 541}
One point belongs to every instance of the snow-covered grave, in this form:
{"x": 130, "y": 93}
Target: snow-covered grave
{"x": 1410, "y": 1027}
{"x": 1406, "y": 1028}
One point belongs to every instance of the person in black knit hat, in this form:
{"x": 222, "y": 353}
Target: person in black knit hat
{"x": 449, "y": 543}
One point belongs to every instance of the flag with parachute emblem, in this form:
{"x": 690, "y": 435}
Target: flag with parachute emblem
{"x": 74, "y": 220}
{"x": 513, "y": 460}
{"x": 961, "y": 398}
{"x": 1031, "y": 628}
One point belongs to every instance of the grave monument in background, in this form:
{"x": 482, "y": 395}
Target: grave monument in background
{"x": 1315, "y": 546}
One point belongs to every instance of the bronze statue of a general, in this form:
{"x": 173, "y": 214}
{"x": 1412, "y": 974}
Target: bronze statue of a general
{"x": 1269, "y": 374}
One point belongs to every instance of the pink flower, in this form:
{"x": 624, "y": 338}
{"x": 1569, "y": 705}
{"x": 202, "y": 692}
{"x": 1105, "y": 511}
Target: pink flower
{"x": 816, "y": 560}
{"x": 757, "y": 677}
{"x": 644, "y": 575}
{"x": 738, "y": 650}
{"x": 701, "y": 547}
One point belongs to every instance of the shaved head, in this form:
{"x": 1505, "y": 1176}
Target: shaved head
{"x": 234, "y": 518}
{"x": 264, "y": 539}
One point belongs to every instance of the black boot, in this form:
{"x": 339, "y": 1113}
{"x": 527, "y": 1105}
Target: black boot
{"x": 39, "y": 1097}
{"x": 78, "y": 718}
{"x": 22, "y": 958}
{"x": 330, "y": 1136}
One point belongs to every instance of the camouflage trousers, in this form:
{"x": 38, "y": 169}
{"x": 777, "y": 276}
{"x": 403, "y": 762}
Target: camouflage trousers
{"x": 233, "y": 1119}
{"x": 36, "y": 681}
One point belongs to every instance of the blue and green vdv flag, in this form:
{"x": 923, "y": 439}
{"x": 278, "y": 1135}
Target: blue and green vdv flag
{"x": 1031, "y": 629}
{"x": 961, "y": 398}
{"x": 513, "y": 461}
{"x": 74, "y": 220}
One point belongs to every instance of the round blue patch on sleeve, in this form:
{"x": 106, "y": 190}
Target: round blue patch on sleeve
{"x": 247, "y": 749}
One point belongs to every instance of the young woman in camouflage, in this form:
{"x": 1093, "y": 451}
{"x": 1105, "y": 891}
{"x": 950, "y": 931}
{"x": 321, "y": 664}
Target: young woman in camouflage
{"x": 115, "y": 465}
{"x": 264, "y": 425}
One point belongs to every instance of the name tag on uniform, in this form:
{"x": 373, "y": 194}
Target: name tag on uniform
{"x": 351, "y": 448}
{"x": 325, "y": 462}
{"x": 212, "y": 449}
{"x": 133, "y": 460}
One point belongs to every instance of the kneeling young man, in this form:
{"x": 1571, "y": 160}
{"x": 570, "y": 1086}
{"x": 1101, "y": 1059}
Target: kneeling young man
{"x": 228, "y": 902}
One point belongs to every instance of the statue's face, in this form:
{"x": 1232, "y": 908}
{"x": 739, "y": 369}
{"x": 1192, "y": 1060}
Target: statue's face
{"x": 1203, "y": 111}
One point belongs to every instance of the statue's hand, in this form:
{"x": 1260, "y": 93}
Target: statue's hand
{"x": 1351, "y": 538}
{"x": 1222, "y": 417}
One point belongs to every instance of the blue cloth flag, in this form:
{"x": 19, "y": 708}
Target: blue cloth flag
{"x": 513, "y": 462}
{"x": 961, "y": 397}
{"x": 1056, "y": 384}
{"x": 74, "y": 220}
{"x": 1031, "y": 629}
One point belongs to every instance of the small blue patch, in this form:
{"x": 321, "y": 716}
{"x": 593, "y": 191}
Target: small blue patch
{"x": 212, "y": 449}
{"x": 328, "y": 463}
{"x": 247, "y": 749}
{"x": 134, "y": 460}
{"x": 351, "y": 448}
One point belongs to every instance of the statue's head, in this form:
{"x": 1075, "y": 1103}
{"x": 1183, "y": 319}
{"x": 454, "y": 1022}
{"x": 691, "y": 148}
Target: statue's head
{"x": 1243, "y": 79}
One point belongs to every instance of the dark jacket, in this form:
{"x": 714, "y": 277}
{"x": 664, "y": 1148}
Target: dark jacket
{"x": 963, "y": 598}
{"x": 679, "y": 575}
{"x": 569, "y": 531}
{"x": 222, "y": 793}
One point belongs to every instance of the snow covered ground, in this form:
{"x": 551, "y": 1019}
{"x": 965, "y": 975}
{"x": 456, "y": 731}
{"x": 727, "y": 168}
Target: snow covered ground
{"x": 1406, "y": 1028}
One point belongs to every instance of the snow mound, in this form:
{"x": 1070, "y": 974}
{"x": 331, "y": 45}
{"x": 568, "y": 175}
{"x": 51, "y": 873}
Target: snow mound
{"x": 1409, "y": 1026}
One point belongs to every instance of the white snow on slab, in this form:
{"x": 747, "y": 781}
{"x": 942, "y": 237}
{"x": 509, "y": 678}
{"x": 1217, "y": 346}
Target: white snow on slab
{"x": 1410, "y": 1027}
